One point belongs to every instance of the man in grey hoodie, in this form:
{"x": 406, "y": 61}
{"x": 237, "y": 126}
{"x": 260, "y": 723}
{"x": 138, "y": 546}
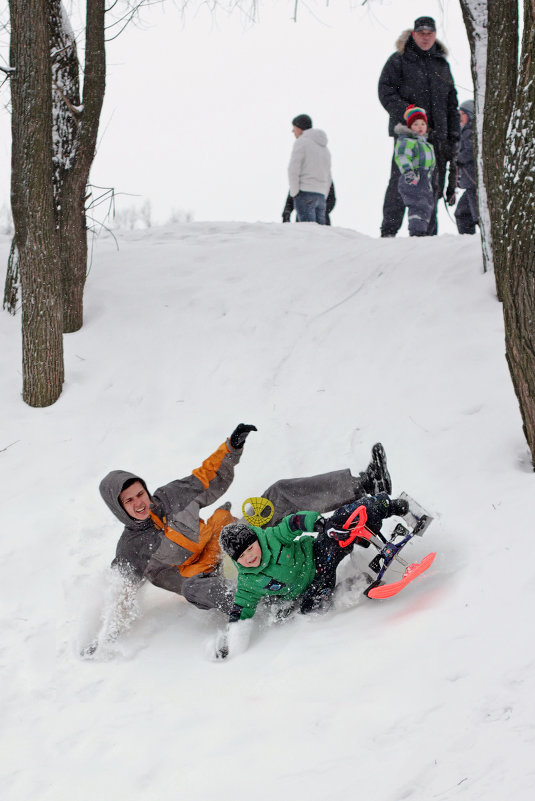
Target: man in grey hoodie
{"x": 309, "y": 170}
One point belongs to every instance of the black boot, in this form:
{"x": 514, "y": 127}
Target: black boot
{"x": 376, "y": 478}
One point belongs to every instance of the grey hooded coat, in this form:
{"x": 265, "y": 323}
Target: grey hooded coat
{"x": 143, "y": 550}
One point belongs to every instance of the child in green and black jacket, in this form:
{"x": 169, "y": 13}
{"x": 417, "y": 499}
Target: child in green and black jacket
{"x": 277, "y": 562}
{"x": 415, "y": 157}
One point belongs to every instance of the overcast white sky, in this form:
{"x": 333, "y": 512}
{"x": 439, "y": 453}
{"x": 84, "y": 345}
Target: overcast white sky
{"x": 197, "y": 115}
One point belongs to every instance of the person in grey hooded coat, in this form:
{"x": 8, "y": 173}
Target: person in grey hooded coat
{"x": 309, "y": 171}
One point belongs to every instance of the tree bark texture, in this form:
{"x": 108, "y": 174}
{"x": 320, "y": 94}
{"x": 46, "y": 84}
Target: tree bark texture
{"x": 518, "y": 284}
{"x": 75, "y": 174}
{"x": 33, "y": 203}
{"x": 475, "y": 14}
{"x": 11, "y": 289}
{"x": 502, "y": 69}
{"x": 70, "y": 218}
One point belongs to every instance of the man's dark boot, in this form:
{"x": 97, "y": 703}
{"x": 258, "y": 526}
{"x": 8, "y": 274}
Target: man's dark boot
{"x": 376, "y": 478}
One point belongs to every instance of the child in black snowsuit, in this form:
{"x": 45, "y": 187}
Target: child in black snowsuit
{"x": 466, "y": 213}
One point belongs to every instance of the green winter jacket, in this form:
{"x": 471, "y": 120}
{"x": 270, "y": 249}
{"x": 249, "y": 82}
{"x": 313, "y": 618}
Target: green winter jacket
{"x": 413, "y": 152}
{"x": 287, "y": 567}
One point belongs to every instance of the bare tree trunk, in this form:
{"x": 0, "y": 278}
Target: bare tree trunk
{"x": 72, "y": 217}
{"x": 518, "y": 282}
{"x": 475, "y": 20}
{"x": 65, "y": 123}
{"x": 502, "y": 70}
{"x": 33, "y": 204}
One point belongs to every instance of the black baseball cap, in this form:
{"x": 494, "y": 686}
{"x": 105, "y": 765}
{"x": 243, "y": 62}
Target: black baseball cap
{"x": 424, "y": 24}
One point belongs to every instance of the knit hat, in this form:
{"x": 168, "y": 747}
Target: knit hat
{"x": 424, "y": 24}
{"x": 235, "y": 538}
{"x": 413, "y": 113}
{"x": 467, "y": 107}
{"x": 302, "y": 121}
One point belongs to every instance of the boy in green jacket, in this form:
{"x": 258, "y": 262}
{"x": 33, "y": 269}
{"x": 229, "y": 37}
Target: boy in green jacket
{"x": 277, "y": 562}
{"x": 415, "y": 157}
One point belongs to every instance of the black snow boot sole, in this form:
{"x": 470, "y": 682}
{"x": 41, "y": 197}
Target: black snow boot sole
{"x": 382, "y": 476}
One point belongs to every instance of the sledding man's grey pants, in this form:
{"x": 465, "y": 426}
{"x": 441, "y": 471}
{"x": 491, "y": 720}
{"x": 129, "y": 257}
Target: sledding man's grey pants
{"x": 321, "y": 493}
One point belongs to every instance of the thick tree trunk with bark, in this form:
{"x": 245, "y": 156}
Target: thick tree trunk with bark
{"x": 502, "y": 69}
{"x": 511, "y": 199}
{"x": 65, "y": 123}
{"x": 518, "y": 282}
{"x": 475, "y": 20}
{"x": 33, "y": 203}
{"x": 79, "y": 126}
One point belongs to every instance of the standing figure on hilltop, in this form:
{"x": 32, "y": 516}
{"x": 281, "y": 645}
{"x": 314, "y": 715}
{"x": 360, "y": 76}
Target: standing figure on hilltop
{"x": 415, "y": 157}
{"x": 466, "y": 213}
{"x": 309, "y": 171}
{"x": 166, "y": 542}
{"x": 419, "y": 73}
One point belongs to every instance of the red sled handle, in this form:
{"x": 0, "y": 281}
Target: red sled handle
{"x": 359, "y": 530}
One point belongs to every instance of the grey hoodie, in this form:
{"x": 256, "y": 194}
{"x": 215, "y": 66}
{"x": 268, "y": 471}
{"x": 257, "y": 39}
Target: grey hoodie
{"x": 309, "y": 169}
{"x": 143, "y": 551}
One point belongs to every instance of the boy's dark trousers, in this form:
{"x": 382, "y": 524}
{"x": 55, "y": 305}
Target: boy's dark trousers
{"x": 394, "y": 207}
{"x": 419, "y": 200}
{"x": 327, "y": 554}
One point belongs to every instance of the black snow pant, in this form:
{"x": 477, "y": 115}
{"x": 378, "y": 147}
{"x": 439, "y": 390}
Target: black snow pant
{"x": 393, "y": 206}
{"x": 419, "y": 200}
{"x": 466, "y": 214}
{"x": 327, "y": 554}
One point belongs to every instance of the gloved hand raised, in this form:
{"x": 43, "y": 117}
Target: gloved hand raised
{"x": 240, "y": 434}
{"x": 410, "y": 177}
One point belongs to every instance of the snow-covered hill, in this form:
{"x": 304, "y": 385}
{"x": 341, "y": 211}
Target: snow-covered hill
{"x": 327, "y": 341}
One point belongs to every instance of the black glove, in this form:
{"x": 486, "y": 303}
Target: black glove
{"x": 411, "y": 177}
{"x": 399, "y": 506}
{"x": 89, "y": 650}
{"x": 240, "y": 434}
{"x": 452, "y": 183}
{"x": 221, "y": 650}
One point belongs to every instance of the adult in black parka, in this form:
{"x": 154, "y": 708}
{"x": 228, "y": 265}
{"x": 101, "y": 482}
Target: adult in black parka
{"x": 419, "y": 73}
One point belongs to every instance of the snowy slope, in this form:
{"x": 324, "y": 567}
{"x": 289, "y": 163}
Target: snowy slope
{"x": 327, "y": 340}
